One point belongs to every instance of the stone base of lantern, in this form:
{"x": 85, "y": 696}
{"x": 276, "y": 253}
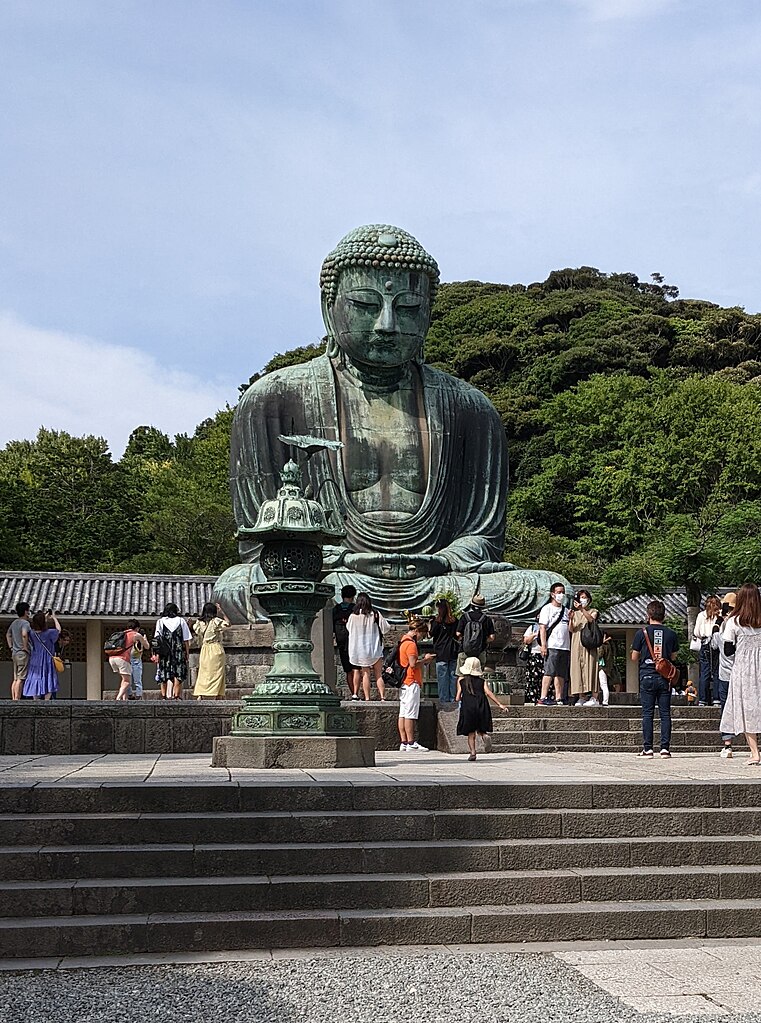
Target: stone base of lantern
{"x": 293, "y": 751}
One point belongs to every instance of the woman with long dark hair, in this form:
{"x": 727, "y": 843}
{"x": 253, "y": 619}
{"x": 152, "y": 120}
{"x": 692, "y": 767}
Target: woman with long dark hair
{"x": 366, "y": 628}
{"x": 742, "y": 637}
{"x": 210, "y": 681}
{"x": 171, "y": 641}
{"x": 445, "y": 646}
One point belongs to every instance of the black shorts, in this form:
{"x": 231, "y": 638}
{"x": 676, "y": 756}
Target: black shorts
{"x": 343, "y": 653}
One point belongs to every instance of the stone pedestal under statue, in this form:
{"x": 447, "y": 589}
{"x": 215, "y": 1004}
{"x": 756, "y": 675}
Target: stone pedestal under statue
{"x": 298, "y": 751}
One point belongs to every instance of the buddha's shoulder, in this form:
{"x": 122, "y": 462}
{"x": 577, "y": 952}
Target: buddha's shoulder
{"x": 459, "y": 390}
{"x": 283, "y": 384}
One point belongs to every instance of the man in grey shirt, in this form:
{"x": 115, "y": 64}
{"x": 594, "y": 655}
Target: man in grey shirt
{"x": 17, "y": 638}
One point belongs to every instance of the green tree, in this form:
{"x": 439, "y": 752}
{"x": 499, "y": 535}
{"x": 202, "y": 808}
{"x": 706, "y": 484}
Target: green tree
{"x": 187, "y": 518}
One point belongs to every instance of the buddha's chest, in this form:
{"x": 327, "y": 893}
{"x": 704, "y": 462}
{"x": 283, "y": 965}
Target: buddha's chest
{"x": 385, "y": 453}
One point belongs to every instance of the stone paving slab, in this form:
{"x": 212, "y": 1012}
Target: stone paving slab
{"x": 705, "y": 979}
{"x": 392, "y": 768}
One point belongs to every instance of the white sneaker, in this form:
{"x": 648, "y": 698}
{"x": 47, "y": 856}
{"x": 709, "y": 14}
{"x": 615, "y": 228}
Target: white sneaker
{"x": 418, "y": 748}
{"x": 726, "y": 753}
{"x": 592, "y": 702}
{"x": 403, "y": 748}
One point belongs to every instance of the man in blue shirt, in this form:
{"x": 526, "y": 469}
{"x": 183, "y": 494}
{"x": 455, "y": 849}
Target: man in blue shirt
{"x": 650, "y": 645}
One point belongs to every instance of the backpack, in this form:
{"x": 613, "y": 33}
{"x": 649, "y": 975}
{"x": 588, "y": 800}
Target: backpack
{"x": 473, "y": 636}
{"x": 160, "y": 643}
{"x": 392, "y": 671}
{"x": 591, "y": 636}
{"x": 340, "y": 630}
{"x": 116, "y": 643}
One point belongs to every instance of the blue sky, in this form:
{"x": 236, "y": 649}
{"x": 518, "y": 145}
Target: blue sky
{"x": 172, "y": 172}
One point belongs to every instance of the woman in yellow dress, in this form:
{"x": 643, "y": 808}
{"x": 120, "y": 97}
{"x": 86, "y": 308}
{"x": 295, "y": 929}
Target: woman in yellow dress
{"x": 211, "y": 659}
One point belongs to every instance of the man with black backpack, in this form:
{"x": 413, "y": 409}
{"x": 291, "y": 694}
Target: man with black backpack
{"x": 341, "y": 613}
{"x": 475, "y": 630}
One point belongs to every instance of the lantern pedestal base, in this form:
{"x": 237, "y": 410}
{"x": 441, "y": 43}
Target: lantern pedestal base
{"x": 293, "y": 751}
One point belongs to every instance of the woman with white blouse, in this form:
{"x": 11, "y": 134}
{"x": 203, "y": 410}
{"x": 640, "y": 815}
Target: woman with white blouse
{"x": 366, "y": 629}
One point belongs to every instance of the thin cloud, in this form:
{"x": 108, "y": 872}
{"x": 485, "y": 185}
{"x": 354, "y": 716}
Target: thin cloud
{"x": 619, "y": 10}
{"x": 85, "y": 386}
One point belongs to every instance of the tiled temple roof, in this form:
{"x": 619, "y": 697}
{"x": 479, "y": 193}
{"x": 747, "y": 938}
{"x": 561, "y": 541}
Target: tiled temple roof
{"x": 634, "y": 610}
{"x": 103, "y": 595}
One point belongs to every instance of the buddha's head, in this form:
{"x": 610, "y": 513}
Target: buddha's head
{"x": 378, "y": 286}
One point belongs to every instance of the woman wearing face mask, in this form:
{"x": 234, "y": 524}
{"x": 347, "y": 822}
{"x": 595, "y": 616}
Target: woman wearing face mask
{"x": 584, "y": 663}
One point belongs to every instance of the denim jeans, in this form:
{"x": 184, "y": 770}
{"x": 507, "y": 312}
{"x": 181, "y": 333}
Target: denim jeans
{"x": 136, "y": 687}
{"x": 723, "y": 692}
{"x": 653, "y": 689}
{"x": 446, "y": 677}
{"x": 709, "y": 671}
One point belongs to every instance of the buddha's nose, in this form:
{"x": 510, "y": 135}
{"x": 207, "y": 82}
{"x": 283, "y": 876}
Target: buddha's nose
{"x": 386, "y": 322}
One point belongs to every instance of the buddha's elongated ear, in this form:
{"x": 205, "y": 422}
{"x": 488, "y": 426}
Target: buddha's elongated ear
{"x": 333, "y": 348}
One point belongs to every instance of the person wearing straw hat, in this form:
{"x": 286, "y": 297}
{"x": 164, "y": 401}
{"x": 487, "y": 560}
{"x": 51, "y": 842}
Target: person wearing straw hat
{"x": 474, "y": 695}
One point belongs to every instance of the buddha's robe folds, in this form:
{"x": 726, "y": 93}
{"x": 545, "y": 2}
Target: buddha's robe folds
{"x": 461, "y": 517}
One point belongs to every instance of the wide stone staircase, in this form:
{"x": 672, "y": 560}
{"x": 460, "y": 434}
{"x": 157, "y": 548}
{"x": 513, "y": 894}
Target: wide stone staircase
{"x": 115, "y": 869}
{"x": 614, "y": 729}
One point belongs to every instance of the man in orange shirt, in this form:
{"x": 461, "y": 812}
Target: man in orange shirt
{"x": 409, "y": 694}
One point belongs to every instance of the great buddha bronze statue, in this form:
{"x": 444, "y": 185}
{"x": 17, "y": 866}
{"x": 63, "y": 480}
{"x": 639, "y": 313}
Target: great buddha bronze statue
{"x": 420, "y": 478}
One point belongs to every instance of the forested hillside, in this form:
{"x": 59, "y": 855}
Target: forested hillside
{"x": 634, "y": 421}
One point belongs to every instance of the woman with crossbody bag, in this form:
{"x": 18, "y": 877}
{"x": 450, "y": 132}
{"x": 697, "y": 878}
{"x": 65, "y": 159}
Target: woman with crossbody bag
{"x": 44, "y": 665}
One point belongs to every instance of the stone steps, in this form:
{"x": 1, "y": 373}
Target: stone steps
{"x": 117, "y": 868}
{"x": 537, "y": 729}
{"x": 71, "y": 897}
{"x": 166, "y": 932}
{"x": 81, "y": 831}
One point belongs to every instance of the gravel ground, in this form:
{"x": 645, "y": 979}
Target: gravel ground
{"x": 424, "y": 988}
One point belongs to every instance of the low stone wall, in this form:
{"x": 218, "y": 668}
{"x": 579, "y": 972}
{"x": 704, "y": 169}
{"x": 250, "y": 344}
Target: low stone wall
{"x": 161, "y": 726}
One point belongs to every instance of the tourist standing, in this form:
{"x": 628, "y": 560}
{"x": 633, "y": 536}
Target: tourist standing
{"x": 654, "y": 643}
{"x": 139, "y": 647}
{"x": 742, "y": 638}
{"x": 474, "y": 695}
{"x": 41, "y": 677}
{"x": 366, "y": 629}
{"x": 341, "y": 613}
{"x": 533, "y": 663}
{"x": 555, "y": 645}
{"x": 708, "y": 680}
{"x": 210, "y": 681}
{"x": 475, "y": 630}
{"x": 412, "y": 685}
{"x": 585, "y": 670}
{"x": 608, "y": 675}
{"x": 444, "y": 637}
{"x": 726, "y": 663}
{"x": 17, "y": 638}
{"x": 121, "y": 659}
{"x": 171, "y": 642}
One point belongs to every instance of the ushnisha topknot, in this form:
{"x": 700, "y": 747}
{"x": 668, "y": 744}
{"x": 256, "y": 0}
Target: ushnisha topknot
{"x": 377, "y": 245}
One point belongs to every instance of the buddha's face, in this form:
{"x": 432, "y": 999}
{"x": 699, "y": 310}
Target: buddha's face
{"x": 380, "y": 317}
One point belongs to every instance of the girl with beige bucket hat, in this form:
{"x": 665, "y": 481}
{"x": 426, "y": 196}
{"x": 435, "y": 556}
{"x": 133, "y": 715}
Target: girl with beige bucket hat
{"x": 474, "y": 695}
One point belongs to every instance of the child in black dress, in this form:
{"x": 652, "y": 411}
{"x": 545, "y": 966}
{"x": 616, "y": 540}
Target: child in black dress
{"x": 474, "y": 694}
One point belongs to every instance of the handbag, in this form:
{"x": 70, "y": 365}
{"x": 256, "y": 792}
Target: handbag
{"x": 696, "y": 644}
{"x": 591, "y": 636}
{"x": 57, "y": 661}
{"x": 665, "y": 668}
